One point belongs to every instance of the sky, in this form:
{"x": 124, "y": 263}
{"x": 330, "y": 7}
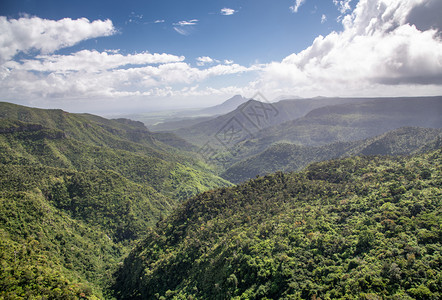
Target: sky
{"x": 145, "y": 55}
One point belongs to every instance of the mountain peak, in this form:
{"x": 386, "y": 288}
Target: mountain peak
{"x": 225, "y": 107}
{"x": 235, "y": 99}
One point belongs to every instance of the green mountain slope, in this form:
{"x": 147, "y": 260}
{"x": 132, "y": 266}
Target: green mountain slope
{"x": 120, "y": 134}
{"x": 76, "y": 192}
{"x": 290, "y": 157}
{"x": 357, "y": 228}
{"x": 56, "y": 247}
{"x": 126, "y": 147}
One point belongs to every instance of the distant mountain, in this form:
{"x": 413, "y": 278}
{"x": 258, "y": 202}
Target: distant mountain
{"x": 172, "y": 124}
{"x": 352, "y": 121}
{"x": 286, "y": 97}
{"x": 289, "y": 157}
{"x": 253, "y": 116}
{"x": 178, "y": 120}
{"x": 347, "y": 122}
{"x": 355, "y": 228}
{"x": 173, "y": 120}
{"x": 225, "y": 107}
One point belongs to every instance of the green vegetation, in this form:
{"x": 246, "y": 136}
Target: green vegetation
{"x": 289, "y": 157}
{"x": 356, "y": 228}
{"x": 163, "y": 171}
{"x": 76, "y": 191}
{"x": 48, "y": 252}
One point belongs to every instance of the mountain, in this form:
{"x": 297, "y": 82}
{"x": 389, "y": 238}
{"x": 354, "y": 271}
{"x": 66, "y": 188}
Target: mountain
{"x": 355, "y": 228}
{"x": 225, "y": 107}
{"x": 251, "y": 117}
{"x": 91, "y": 142}
{"x": 290, "y": 157}
{"x": 77, "y": 191}
{"x": 286, "y": 97}
{"x": 177, "y": 123}
{"x": 347, "y": 122}
{"x": 359, "y": 120}
{"x": 197, "y": 116}
{"x": 172, "y": 120}
{"x": 275, "y": 121}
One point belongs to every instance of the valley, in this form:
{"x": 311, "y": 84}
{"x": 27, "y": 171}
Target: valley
{"x": 296, "y": 199}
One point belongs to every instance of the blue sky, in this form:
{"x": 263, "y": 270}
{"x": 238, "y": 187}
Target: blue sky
{"x": 104, "y": 56}
{"x": 257, "y": 30}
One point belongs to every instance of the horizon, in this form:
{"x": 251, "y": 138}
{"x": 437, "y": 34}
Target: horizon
{"x": 184, "y": 110}
{"x": 149, "y": 57}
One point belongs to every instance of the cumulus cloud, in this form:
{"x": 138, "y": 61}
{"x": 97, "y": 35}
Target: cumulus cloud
{"x": 323, "y": 19}
{"x": 227, "y": 11}
{"x": 90, "y": 61}
{"x": 296, "y": 6}
{"x": 100, "y": 75}
{"x": 426, "y": 15}
{"x": 378, "y": 47}
{"x": 204, "y": 60}
{"x": 386, "y": 47}
{"x": 90, "y": 73}
{"x": 47, "y": 36}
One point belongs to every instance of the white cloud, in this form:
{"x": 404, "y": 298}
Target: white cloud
{"x": 378, "y": 53}
{"x": 323, "y": 19}
{"x": 227, "y": 11}
{"x": 47, "y": 36}
{"x": 296, "y": 6}
{"x": 377, "y": 50}
{"x": 88, "y": 74}
{"x": 343, "y": 5}
{"x": 159, "y": 21}
{"x": 201, "y": 61}
{"x": 187, "y": 23}
{"x": 90, "y": 61}
{"x": 185, "y": 27}
{"x": 204, "y": 60}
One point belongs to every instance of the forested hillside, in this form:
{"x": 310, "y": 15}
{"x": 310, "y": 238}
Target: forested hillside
{"x": 86, "y": 142}
{"x": 63, "y": 232}
{"x": 76, "y": 191}
{"x": 355, "y": 228}
{"x": 290, "y": 157}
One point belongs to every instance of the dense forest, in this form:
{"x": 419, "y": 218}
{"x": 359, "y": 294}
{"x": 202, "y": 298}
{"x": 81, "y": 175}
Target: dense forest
{"x": 76, "y": 191}
{"x": 95, "y": 208}
{"x": 360, "y": 227}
